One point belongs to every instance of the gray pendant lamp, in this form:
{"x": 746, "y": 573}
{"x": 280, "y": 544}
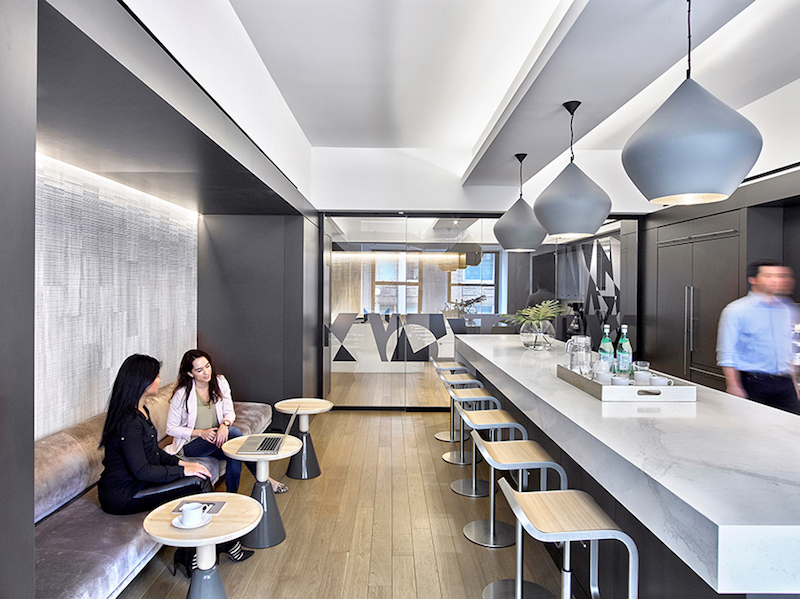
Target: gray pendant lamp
{"x": 518, "y": 230}
{"x": 572, "y": 204}
{"x": 694, "y": 149}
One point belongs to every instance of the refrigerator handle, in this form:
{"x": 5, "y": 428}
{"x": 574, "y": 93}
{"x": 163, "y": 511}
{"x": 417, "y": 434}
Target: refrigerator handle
{"x": 691, "y": 318}
{"x": 686, "y": 330}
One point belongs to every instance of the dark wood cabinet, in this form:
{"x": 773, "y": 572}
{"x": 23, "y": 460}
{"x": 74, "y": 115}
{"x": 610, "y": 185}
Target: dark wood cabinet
{"x": 697, "y": 272}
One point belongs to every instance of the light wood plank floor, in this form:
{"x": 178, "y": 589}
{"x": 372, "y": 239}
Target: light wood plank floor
{"x": 418, "y": 389}
{"x": 380, "y": 522}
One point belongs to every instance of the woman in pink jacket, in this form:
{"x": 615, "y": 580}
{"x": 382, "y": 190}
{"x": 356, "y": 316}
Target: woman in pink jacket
{"x": 201, "y": 416}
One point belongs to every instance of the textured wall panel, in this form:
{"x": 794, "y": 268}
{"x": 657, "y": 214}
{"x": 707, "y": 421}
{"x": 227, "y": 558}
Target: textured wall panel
{"x": 116, "y": 274}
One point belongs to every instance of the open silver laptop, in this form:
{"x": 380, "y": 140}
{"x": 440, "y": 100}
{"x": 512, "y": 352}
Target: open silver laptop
{"x": 267, "y": 443}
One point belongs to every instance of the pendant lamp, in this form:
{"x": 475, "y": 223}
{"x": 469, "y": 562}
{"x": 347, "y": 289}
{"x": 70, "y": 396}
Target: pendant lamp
{"x": 572, "y": 204}
{"x": 694, "y": 149}
{"x": 518, "y": 230}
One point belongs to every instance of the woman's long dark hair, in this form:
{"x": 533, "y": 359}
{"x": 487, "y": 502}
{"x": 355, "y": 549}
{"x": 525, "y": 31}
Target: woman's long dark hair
{"x": 185, "y": 381}
{"x": 135, "y": 375}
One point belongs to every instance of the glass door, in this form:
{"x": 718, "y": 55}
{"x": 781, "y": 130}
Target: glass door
{"x": 400, "y": 287}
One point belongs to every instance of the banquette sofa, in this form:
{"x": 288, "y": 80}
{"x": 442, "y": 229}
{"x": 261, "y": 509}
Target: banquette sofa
{"x": 82, "y": 552}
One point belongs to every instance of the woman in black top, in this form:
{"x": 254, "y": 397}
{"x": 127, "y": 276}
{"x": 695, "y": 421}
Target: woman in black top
{"x": 138, "y": 475}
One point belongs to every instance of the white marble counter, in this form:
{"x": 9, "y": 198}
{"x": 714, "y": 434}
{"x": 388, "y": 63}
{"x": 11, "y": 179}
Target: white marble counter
{"x": 718, "y": 483}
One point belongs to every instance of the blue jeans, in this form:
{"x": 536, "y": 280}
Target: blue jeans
{"x": 200, "y": 448}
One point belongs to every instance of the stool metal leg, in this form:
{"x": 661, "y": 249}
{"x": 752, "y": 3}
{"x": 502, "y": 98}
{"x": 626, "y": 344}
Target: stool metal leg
{"x": 461, "y": 457}
{"x": 490, "y": 533}
{"x": 516, "y": 588}
{"x": 471, "y": 487}
{"x": 594, "y": 583}
{"x": 449, "y": 436}
{"x": 566, "y": 574}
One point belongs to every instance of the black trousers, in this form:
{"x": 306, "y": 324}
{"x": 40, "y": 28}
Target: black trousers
{"x": 771, "y": 390}
{"x": 154, "y": 495}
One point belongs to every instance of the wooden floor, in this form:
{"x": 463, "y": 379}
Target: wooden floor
{"x": 380, "y": 522}
{"x": 412, "y": 390}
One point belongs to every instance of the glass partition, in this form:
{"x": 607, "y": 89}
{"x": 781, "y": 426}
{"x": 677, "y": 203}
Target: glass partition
{"x": 399, "y": 288}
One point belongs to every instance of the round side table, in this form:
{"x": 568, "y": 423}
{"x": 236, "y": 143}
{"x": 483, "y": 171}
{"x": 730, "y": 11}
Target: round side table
{"x": 304, "y": 465}
{"x": 270, "y": 531}
{"x": 240, "y": 515}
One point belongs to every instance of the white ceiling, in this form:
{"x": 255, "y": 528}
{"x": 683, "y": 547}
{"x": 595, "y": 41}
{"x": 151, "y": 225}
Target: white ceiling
{"x": 469, "y": 83}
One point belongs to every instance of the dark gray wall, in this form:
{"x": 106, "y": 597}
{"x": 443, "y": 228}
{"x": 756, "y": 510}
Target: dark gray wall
{"x": 791, "y": 241}
{"x": 17, "y": 192}
{"x": 519, "y": 280}
{"x": 257, "y": 304}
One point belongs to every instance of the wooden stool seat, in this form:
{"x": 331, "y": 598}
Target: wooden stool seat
{"x": 457, "y": 379}
{"x": 470, "y": 394}
{"x": 562, "y": 517}
{"x": 513, "y": 455}
{"x": 562, "y": 514}
{"x": 449, "y": 366}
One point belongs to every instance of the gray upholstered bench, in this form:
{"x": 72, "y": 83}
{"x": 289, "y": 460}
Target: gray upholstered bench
{"x": 80, "y": 550}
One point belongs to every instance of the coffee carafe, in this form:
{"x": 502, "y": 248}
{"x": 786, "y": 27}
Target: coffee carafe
{"x": 579, "y": 349}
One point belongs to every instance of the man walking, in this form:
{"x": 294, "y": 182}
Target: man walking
{"x": 754, "y": 343}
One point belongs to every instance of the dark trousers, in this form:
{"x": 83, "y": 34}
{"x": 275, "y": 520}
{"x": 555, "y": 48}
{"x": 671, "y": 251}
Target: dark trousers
{"x": 151, "y": 496}
{"x": 771, "y": 390}
{"x": 200, "y": 448}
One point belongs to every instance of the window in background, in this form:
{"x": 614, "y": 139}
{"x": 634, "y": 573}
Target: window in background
{"x": 474, "y": 281}
{"x": 396, "y": 282}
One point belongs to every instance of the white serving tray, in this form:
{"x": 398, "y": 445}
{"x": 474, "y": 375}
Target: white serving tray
{"x": 680, "y": 391}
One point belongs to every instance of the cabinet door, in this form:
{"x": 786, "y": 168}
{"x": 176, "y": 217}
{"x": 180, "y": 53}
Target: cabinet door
{"x": 674, "y": 276}
{"x": 715, "y": 277}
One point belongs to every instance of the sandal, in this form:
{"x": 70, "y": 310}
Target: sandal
{"x": 234, "y": 550}
{"x": 281, "y": 488}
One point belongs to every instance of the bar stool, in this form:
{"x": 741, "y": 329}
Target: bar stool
{"x": 562, "y": 517}
{"x": 451, "y": 382}
{"x": 509, "y": 455}
{"x": 494, "y": 420}
{"x": 452, "y": 368}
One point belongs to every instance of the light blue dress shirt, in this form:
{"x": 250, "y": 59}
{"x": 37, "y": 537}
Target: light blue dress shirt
{"x": 755, "y": 334}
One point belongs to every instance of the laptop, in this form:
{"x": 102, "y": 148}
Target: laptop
{"x": 268, "y": 443}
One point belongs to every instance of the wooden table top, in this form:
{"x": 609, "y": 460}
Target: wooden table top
{"x": 239, "y": 516}
{"x": 308, "y": 405}
{"x": 291, "y": 445}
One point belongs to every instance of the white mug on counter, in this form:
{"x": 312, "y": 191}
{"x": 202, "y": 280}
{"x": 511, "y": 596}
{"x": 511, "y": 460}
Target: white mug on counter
{"x": 641, "y": 377}
{"x": 604, "y": 378}
{"x": 620, "y": 380}
{"x": 661, "y": 381}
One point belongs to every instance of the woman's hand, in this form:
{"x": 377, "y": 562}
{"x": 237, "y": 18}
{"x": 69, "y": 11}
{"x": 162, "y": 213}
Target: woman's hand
{"x": 222, "y": 435}
{"x": 194, "y": 469}
{"x": 207, "y": 434}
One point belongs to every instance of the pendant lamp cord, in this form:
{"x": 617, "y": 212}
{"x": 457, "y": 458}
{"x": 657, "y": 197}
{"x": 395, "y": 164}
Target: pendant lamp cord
{"x": 689, "y": 29}
{"x": 571, "y": 138}
{"x": 520, "y": 179}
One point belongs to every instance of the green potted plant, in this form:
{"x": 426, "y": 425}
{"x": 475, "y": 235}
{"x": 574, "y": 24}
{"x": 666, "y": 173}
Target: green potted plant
{"x": 536, "y": 326}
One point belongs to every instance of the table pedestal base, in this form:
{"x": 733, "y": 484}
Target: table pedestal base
{"x": 304, "y": 464}
{"x": 206, "y": 584}
{"x": 270, "y": 531}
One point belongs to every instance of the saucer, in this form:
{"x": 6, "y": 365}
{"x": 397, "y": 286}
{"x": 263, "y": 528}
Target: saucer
{"x": 176, "y": 522}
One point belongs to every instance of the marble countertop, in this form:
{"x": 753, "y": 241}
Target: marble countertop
{"x": 718, "y": 481}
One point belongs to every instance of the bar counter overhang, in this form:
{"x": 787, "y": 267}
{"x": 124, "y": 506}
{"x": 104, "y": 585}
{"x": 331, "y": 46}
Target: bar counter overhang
{"x": 717, "y": 481}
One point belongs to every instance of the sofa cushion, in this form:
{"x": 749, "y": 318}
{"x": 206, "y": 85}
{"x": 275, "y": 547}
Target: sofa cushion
{"x": 84, "y": 552}
{"x": 65, "y": 464}
{"x": 252, "y": 417}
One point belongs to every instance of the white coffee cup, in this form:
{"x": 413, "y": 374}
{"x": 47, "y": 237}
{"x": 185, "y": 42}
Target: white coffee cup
{"x": 641, "y": 377}
{"x": 601, "y": 367}
{"x": 192, "y": 513}
{"x": 620, "y": 380}
{"x": 604, "y": 378}
{"x": 661, "y": 381}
